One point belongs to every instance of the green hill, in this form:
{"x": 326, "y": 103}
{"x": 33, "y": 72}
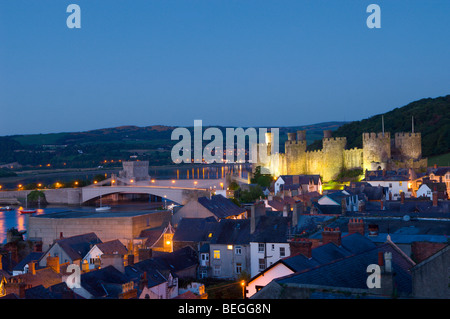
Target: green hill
{"x": 431, "y": 119}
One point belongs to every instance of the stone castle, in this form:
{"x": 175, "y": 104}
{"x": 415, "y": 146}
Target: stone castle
{"x": 379, "y": 151}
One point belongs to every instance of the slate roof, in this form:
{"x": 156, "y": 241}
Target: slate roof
{"x": 104, "y": 282}
{"x": 350, "y": 245}
{"x": 439, "y": 171}
{"x": 76, "y": 247}
{"x": 113, "y": 247}
{"x": 366, "y": 191}
{"x": 220, "y": 206}
{"x": 158, "y": 268}
{"x": 302, "y": 179}
{"x": 271, "y": 229}
{"x": 232, "y": 232}
{"x": 195, "y": 229}
{"x": 33, "y": 256}
{"x": 328, "y": 209}
{"x": 379, "y": 175}
{"x": 278, "y": 202}
{"x": 351, "y": 271}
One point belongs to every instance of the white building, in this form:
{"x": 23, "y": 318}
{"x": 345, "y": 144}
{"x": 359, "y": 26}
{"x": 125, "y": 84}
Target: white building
{"x": 264, "y": 255}
{"x": 92, "y": 260}
{"x": 395, "y": 187}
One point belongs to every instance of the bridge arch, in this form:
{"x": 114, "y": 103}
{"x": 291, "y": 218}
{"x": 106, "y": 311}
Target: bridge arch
{"x": 177, "y": 195}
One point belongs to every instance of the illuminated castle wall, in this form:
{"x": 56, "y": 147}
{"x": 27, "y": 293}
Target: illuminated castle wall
{"x": 378, "y": 152}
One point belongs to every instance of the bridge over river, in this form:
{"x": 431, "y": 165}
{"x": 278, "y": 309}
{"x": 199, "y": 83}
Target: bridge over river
{"x": 178, "y": 191}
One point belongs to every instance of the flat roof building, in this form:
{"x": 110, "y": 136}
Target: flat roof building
{"x": 122, "y": 225}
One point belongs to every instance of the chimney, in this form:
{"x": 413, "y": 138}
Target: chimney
{"x": 130, "y": 259}
{"x": 373, "y": 230}
{"x": 298, "y": 209}
{"x": 387, "y": 274}
{"x": 22, "y": 288}
{"x": 380, "y": 259}
{"x": 435, "y": 198}
{"x": 356, "y": 225}
{"x": 144, "y": 281}
{"x": 286, "y": 209}
{"x": 145, "y": 253}
{"x": 331, "y": 235}
{"x": 115, "y": 260}
{"x": 61, "y": 235}
{"x": 301, "y": 246}
{"x": 32, "y": 268}
{"x": 53, "y": 263}
{"x": 257, "y": 210}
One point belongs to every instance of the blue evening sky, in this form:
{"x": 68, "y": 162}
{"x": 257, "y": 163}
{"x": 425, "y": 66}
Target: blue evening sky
{"x": 227, "y": 62}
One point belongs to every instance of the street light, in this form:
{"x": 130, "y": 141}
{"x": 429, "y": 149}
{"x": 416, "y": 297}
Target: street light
{"x": 243, "y": 288}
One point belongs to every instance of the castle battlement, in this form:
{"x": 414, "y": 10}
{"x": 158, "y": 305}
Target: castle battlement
{"x": 314, "y": 152}
{"x": 373, "y": 135}
{"x": 335, "y": 139}
{"x": 406, "y": 134}
{"x": 295, "y": 142}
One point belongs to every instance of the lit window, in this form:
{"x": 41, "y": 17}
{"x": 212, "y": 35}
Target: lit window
{"x": 216, "y": 254}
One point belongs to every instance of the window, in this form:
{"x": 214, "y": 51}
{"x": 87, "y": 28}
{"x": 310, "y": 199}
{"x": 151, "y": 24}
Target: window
{"x": 203, "y": 274}
{"x": 273, "y": 247}
{"x": 262, "y": 264}
{"x": 238, "y": 268}
{"x": 400, "y": 183}
{"x": 230, "y": 247}
{"x": 216, "y": 254}
{"x": 282, "y": 251}
{"x": 260, "y": 247}
{"x": 238, "y": 250}
{"x": 217, "y": 270}
{"x": 390, "y": 185}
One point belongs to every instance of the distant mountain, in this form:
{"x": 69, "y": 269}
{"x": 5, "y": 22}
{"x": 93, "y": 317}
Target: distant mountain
{"x": 431, "y": 119}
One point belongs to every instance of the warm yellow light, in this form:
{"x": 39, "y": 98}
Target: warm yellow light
{"x": 173, "y": 181}
{"x": 242, "y": 283}
{"x": 95, "y": 182}
{"x": 76, "y": 183}
{"x": 39, "y": 185}
{"x": 195, "y": 183}
{"x": 113, "y": 181}
{"x": 20, "y": 185}
{"x": 230, "y": 247}
{"x": 131, "y": 181}
{"x": 168, "y": 242}
{"x": 48, "y": 165}
{"x": 153, "y": 180}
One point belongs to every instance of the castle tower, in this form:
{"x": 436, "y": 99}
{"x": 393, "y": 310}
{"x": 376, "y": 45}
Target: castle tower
{"x": 408, "y": 146}
{"x": 333, "y": 155}
{"x": 295, "y": 150}
{"x": 376, "y": 148}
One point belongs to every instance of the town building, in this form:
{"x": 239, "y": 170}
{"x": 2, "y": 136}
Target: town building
{"x": 217, "y": 206}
